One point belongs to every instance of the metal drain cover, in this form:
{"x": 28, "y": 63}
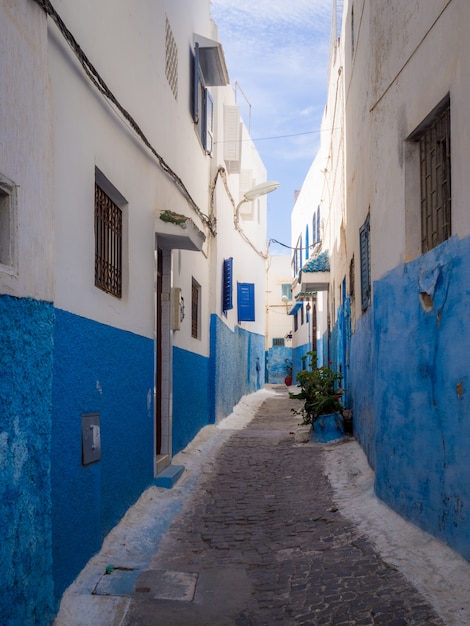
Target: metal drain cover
{"x": 167, "y": 585}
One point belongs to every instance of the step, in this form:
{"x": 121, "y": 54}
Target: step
{"x": 169, "y": 476}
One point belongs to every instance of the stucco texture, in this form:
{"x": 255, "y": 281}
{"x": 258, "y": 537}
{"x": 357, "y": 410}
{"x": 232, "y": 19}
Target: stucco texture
{"x": 422, "y": 391}
{"x": 97, "y": 369}
{"x": 26, "y": 328}
{"x": 233, "y": 363}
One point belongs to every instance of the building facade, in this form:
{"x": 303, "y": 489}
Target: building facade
{"x": 132, "y": 269}
{"x": 398, "y": 241}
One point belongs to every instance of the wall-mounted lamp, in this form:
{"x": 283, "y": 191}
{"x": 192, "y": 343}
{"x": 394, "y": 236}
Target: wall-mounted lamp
{"x": 255, "y": 192}
{"x": 285, "y": 299}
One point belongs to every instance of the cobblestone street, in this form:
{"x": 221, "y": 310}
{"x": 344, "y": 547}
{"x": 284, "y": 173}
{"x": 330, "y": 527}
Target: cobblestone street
{"x": 260, "y": 542}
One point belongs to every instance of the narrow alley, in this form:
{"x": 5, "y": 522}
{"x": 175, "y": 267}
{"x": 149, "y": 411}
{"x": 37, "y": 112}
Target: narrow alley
{"x": 258, "y": 538}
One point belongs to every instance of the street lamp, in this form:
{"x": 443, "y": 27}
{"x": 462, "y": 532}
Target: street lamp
{"x": 255, "y": 192}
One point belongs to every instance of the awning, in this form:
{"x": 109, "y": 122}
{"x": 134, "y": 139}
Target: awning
{"x": 212, "y": 62}
{"x": 315, "y": 274}
{"x": 177, "y": 232}
{"x": 295, "y": 308}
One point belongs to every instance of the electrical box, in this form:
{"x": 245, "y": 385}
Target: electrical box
{"x": 177, "y": 308}
{"x": 91, "y": 438}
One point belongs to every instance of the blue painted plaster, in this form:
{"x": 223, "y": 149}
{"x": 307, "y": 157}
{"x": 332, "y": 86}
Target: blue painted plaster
{"x": 421, "y": 391}
{"x": 233, "y": 365}
{"x": 26, "y": 345}
{"x": 97, "y": 369}
{"x": 191, "y": 397}
{"x": 277, "y": 358}
{"x": 361, "y": 384}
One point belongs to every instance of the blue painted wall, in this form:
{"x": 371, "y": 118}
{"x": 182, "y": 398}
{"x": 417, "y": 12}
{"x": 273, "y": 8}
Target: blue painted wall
{"x": 26, "y": 333}
{"x": 422, "y": 395}
{"x": 97, "y": 369}
{"x": 192, "y": 397}
{"x": 361, "y": 384}
{"x": 277, "y": 358}
{"x": 233, "y": 366}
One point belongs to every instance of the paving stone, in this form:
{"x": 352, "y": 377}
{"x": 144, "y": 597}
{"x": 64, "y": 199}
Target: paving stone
{"x": 269, "y": 547}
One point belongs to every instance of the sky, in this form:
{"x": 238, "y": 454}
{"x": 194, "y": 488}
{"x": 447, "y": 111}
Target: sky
{"x": 277, "y": 53}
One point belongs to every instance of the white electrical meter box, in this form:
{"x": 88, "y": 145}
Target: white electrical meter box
{"x": 177, "y": 308}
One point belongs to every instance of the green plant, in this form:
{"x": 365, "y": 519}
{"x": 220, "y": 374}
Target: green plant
{"x": 320, "y": 390}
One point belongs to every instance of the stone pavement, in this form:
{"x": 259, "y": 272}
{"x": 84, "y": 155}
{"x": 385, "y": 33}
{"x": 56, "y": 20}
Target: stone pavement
{"x": 259, "y": 538}
{"x": 261, "y": 543}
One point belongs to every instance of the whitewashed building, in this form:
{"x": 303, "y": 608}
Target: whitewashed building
{"x": 132, "y": 269}
{"x": 397, "y": 230}
{"x": 279, "y": 300}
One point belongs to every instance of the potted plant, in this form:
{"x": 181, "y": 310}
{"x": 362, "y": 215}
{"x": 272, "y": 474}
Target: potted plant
{"x": 321, "y": 392}
{"x": 288, "y": 377}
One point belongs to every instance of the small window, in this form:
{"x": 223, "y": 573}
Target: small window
{"x": 351, "y": 278}
{"x": 433, "y": 137}
{"x": 8, "y": 216}
{"x": 195, "y": 310}
{"x": 364, "y": 247}
{"x": 279, "y": 341}
{"x": 286, "y": 291}
{"x": 171, "y": 60}
{"x": 108, "y": 244}
{"x": 203, "y": 105}
{"x": 227, "y": 297}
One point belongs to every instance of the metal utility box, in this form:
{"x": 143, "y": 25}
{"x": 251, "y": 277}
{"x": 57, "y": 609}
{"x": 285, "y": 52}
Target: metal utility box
{"x": 91, "y": 438}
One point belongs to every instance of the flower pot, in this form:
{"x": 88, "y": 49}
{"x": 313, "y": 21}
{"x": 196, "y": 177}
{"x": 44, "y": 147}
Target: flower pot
{"x": 288, "y": 380}
{"x": 328, "y": 428}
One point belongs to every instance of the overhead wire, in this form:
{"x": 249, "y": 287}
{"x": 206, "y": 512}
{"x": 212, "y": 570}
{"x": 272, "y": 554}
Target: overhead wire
{"x": 100, "y": 84}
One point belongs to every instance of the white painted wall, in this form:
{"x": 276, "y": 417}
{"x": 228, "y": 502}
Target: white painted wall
{"x": 24, "y": 130}
{"x": 278, "y": 322}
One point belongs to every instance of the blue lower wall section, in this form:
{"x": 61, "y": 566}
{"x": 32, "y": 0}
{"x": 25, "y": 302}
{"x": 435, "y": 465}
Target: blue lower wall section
{"x": 97, "y": 369}
{"x": 233, "y": 366}
{"x": 277, "y": 358}
{"x": 361, "y": 384}
{"x": 26, "y": 348}
{"x": 422, "y": 394}
{"x": 191, "y": 397}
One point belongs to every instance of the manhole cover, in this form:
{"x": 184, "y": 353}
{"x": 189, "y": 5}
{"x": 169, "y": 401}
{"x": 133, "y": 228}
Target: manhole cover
{"x": 167, "y": 585}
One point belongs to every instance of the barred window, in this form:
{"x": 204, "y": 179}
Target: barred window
{"x": 108, "y": 244}
{"x": 364, "y": 249}
{"x": 195, "y": 310}
{"x": 279, "y": 341}
{"x": 435, "y": 182}
{"x": 433, "y": 139}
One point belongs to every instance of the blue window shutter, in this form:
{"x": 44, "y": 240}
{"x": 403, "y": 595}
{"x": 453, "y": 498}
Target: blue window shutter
{"x": 364, "y": 248}
{"x": 246, "y": 302}
{"x": 196, "y": 80}
{"x": 227, "y": 303}
{"x": 307, "y": 243}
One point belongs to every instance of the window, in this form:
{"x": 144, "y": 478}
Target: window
{"x": 208, "y": 70}
{"x": 8, "y": 216}
{"x": 364, "y": 247}
{"x": 433, "y": 137}
{"x": 307, "y": 244}
{"x": 227, "y": 300}
{"x": 302, "y": 320}
{"x": 108, "y": 243}
{"x": 171, "y": 59}
{"x": 351, "y": 278}
{"x": 286, "y": 290}
{"x": 279, "y": 341}
{"x": 195, "y": 310}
